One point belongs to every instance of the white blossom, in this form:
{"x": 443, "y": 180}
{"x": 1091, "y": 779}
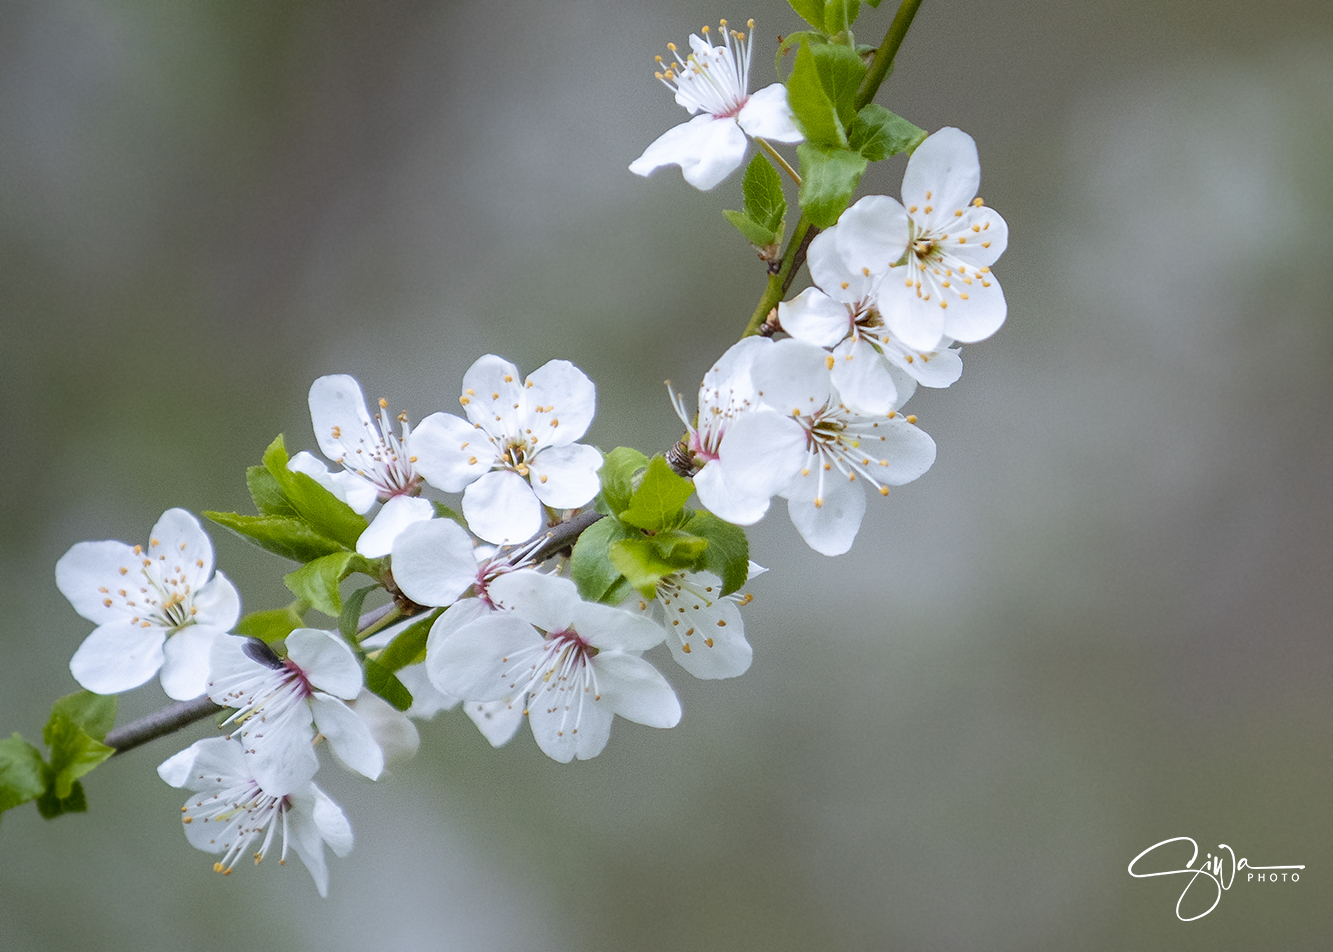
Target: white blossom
{"x": 568, "y": 664}
{"x": 230, "y": 810}
{"x": 715, "y": 80}
{"x": 159, "y": 607}
{"x": 516, "y": 452}
{"x": 280, "y": 702}
{"x": 704, "y": 628}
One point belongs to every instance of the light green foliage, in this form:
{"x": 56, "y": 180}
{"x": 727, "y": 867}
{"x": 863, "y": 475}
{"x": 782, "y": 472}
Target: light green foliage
{"x": 840, "y": 73}
{"x": 74, "y": 735}
{"x": 839, "y": 15}
{"x": 266, "y": 493}
{"x": 317, "y": 581}
{"x": 290, "y": 538}
{"x": 444, "y": 512}
{"x": 324, "y": 512}
{"x": 349, "y": 619}
{"x": 877, "y": 133}
{"x": 618, "y": 472}
{"x": 659, "y": 498}
{"x": 590, "y": 567}
{"x": 385, "y": 683}
{"x": 727, "y": 554}
{"x": 641, "y": 563}
{"x": 829, "y": 177}
{"x": 793, "y": 41}
{"x": 815, "y": 111}
{"x": 409, "y": 647}
{"x": 811, "y": 11}
{"x": 763, "y": 220}
{"x": 275, "y": 624}
{"x": 22, "y": 772}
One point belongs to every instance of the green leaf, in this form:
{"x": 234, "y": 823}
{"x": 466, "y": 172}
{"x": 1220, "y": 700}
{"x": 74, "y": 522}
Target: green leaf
{"x": 840, "y": 74}
{"x": 324, "y": 512}
{"x": 275, "y": 624}
{"x": 811, "y": 11}
{"x": 679, "y": 549}
{"x": 657, "y": 503}
{"x": 94, "y": 714}
{"x": 764, "y": 201}
{"x": 409, "y": 646}
{"x": 51, "y": 805}
{"x": 282, "y": 535}
{"x": 266, "y": 493}
{"x": 317, "y": 581}
{"x": 22, "y": 772}
{"x": 877, "y": 133}
{"x": 828, "y": 180}
{"x": 814, "y": 110}
{"x": 754, "y": 233}
{"x": 792, "y": 40}
{"x": 839, "y": 15}
{"x": 385, "y": 683}
{"x": 728, "y": 552}
{"x": 619, "y": 467}
{"x": 874, "y": 3}
{"x": 349, "y": 619}
{"x": 73, "y": 753}
{"x": 640, "y": 562}
{"x": 590, "y": 566}
{"x": 444, "y": 512}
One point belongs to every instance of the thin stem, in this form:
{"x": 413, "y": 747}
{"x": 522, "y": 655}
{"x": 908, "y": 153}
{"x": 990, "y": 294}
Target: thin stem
{"x": 781, "y": 162}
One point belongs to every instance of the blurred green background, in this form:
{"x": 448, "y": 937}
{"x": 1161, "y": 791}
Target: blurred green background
{"x": 1102, "y": 620}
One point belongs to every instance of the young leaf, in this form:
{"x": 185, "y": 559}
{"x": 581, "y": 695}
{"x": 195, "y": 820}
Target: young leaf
{"x": 50, "y": 805}
{"x": 840, "y": 73}
{"x": 877, "y": 133}
{"x": 728, "y": 552}
{"x": 385, "y": 683}
{"x": 828, "y": 179}
{"x": 94, "y": 714}
{"x": 275, "y": 624}
{"x": 619, "y": 467}
{"x": 317, "y": 581}
{"x": 266, "y": 493}
{"x": 73, "y": 753}
{"x": 815, "y": 112}
{"x": 754, "y": 233}
{"x": 444, "y": 512}
{"x": 591, "y": 568}
{"x": 811, "y": 11}
{"x": 639, "y": 561}
{"x": 839, "y": 15}
{"x": 764, "y": 202}
{"x": 21, "y": 772}
{"x": 326, "y": 513}
{"x": 657, "y": 503}
{"x": 792, "y": 40}
{"x": 282, "y": 535}
{"x": 679, "y": 549}
{"x": 349, "y": 619}
{"x": 409, "y": 645}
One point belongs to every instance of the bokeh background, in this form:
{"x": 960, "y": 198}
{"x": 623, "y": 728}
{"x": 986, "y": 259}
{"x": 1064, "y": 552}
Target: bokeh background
{"x": 1102, "y": 620}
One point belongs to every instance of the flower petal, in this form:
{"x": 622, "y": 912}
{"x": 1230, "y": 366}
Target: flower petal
{"x": 706, "y": 149}
{"x": 217, "y": 604}
{"x": 862, "y": 379}
{"x": 872, "y": 235}
{"x": 349, "y": 737}
{"x": 450, "y": 452}
{"x": 493, "y": 396}
{"x": 943, "y": 175}
{"x": 827, "y": 516}
{"x": 565, "y": 476}
{"x": 180, "y": 546}
{"x": 563, "y": 400}
{"x": 91, "y": 574}
{"x": 634, "y": 689}
{"x": 326, "y": 661}
{"x": 497, "y": 720}
{"x": 117, "y": 656}
{"x": 550, "y": 602}
{"x": 814, "y": 317}
{"x": 434, "y": 562}
{"x": 500, "y": 507}
{"x": 185, "y": 661}
{"x": 395, "y": 516}
{"x": 476, "y": 661}
{"x": 767, "y": 115}
{"x": 569, "y": 723}
{"x": 357, "y": 492}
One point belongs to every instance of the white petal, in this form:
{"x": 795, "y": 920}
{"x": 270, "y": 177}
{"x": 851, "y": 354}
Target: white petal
{"x": 547, "y": 601}
{"x": 185, "y": 661}
{"x": 767, "y": 115}
{"x": 180, "y": 546}
{"x": 338, "y": 413}
{"x": 568, "y": 727}
{"x": 349, "y": 736}
{"x": 497, "y": 720}
{"x": 943, "y": 174}
{"x": 909, "y": 451}
{"x": 117, "y": 656}
{"x": 176, "y": 769}
{"x": 862, "y": 379}
{"x": 735, "y": 504}
{"x": 562, "y": 400}
{"x": 706, "y": 149}
{"x": 915, "y": 322}
{"x": 634, "y": 689}
{"x": 450, "y": 452}
{"x": 830, "y": 527}
{"x": 830, "y": 270}
{"x": 981, "y": 315}
{"x": 218, "y": 603}
{"x": 977, "y": 238}
{"x": 326, "y": 661}
{"x": 433, "y": 562}
{"x": 938, "y": 368}
{"x": 332, "y": 823}
{"x": 396, "y": 515}
{"x": 814, "y": 317}
{"x": 391, "y": 728}
{"x": 872, "y": 234}
{"x": 605, "y": 627}
{"x": 91, "y": 574}
{"x": 792, "y": 377}
{"x": 306, "y": 837}
{"x": 493, "y": 395}
{"x": 475, "y": 661}
{"x": 700, "y": 645}
{"x": 761, "y": 453}
{"x": 501, "y": 508}
{"x": 564, "y": 477}
{"x": 427, "y": 700}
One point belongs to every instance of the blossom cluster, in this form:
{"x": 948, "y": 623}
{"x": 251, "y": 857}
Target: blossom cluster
{"x": 545, "y": 590}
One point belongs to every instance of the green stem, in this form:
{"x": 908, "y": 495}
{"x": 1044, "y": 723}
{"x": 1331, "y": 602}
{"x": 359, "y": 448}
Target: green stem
{"x": 778, "y": 159}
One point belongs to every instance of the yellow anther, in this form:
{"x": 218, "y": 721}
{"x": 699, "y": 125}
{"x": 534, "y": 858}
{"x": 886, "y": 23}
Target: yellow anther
{"x": 884, "y": 490}
{"x": 977, "y": 202}
{"x": 911, "y": 418}
{"x": 384, "y": 404}
{"x": 828, "y": 361}
{"x": 958, "y": 214}
{"x": 685, "y": 647}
